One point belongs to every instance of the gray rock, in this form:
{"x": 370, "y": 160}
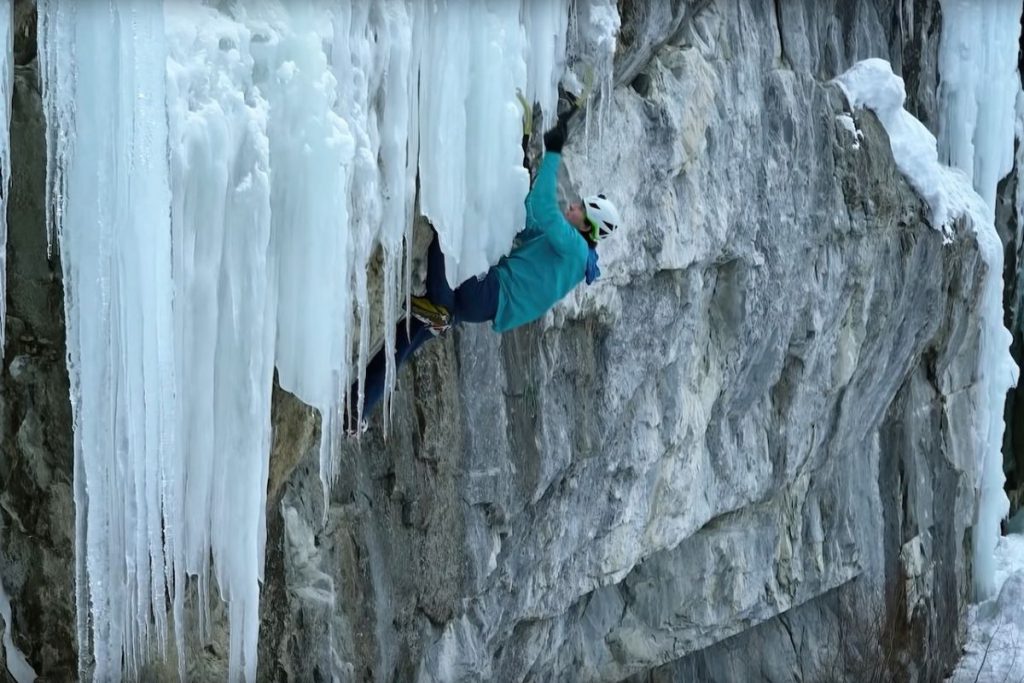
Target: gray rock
{"x": 742, "y": 455}
{"x": 36, "y": 504}
{"x": 755, "y": 418}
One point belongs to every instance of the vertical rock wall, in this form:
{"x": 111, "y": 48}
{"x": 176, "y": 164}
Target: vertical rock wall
{"x": 36, "y": 504}
{"x": 757, "y": 417}
{"x": 750, "y": 431}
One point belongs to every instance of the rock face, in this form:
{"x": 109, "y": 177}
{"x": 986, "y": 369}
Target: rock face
{"x": 36, "y": 503}
{"x": 743, "y": 454}
{"x": 757, "y": 418}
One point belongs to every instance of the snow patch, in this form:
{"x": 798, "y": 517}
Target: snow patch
{"x": 995, "y": 627}
{"x": 871, "y": 84}
{"x": 846, "y": 121}
{"x": 17, "y": 665}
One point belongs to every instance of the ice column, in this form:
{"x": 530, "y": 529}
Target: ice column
{"x": 320, "y": 245}
{"x": 399, "y": 150}
{"x": 225, "y": 317}
{"x": 472, "y": 182}
{"x": 103, "y": 74}
{"x": 978, "y": 89}
{"x": 978, "y": 93}
{"x": 374, "y": 57}
{"x": 545, "y": 22}
{"x": 593, "y": 38}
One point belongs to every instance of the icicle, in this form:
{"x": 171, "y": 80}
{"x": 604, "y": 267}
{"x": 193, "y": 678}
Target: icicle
{"x": 470, "y": 161}
{"x": 313, "y": 150}
{"x": 545, "y": 23}
{"x": 978, "y": 92}
{"x": 226, "y": 294}
{"x": 283, "y": 154}
{"x": 56, "y": 55}
{"x": 593, "y": 39}
{"x": 107, "y": 139}
{"x": 400, "y": 63}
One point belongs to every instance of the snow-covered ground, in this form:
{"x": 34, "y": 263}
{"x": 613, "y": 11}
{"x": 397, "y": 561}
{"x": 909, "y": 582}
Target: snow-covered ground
{"x": 994, "y": 652}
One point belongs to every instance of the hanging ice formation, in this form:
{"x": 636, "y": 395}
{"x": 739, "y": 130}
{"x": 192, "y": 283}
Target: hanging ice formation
{"x": 978, "y": 93}
{"x": 219, "y": 183}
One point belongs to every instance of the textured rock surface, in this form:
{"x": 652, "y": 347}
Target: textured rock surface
{"x": 753, "y": 429}
{"x": 762, "y": 405}
{"x": 36, "y": 504}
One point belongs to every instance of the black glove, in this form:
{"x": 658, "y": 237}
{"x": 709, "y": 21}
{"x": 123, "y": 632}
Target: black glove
{"x": 554, "y": 139}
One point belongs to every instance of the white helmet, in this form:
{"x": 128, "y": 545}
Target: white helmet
{"x": 602, "y": 216}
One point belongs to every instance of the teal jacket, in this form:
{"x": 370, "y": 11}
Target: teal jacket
{"x": 548, "y": 260}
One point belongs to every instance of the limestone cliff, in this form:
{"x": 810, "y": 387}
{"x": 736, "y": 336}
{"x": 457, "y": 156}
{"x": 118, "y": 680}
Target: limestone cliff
{"x": 741, "y": 455}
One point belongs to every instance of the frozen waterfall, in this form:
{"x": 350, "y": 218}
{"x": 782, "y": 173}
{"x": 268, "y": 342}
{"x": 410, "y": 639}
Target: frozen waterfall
{"x": 978, "y": 93}
{"x": 219, "y": 183}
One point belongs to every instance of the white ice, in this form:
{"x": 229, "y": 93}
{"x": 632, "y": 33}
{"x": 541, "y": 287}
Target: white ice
{"x": 17, "y": 665}
{"x": 472, "y": 182}
{"x": 950, "y": 195}
{"x": 107, "y": 145}
{"x": 978, "y": 88}
{"x": 978, "y": 92}
{"x": 221, "y": 181}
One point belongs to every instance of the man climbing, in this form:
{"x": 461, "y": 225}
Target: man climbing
{"x": 552, "y": 254}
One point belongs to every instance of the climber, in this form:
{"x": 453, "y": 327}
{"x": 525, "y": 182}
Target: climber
{"x": 552, "y": 254}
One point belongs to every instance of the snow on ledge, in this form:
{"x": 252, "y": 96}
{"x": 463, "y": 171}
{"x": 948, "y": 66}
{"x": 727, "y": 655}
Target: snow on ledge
{"x": 871, "y": 84}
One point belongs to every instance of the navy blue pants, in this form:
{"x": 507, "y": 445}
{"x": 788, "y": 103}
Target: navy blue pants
{"x": 474, "y": 301}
